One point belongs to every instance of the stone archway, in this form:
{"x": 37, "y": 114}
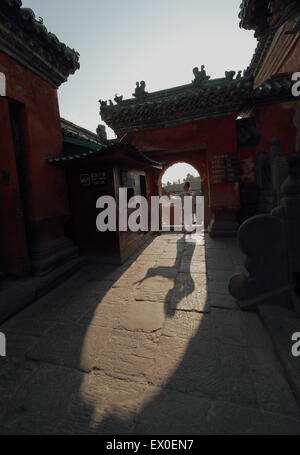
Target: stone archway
{"x": 198, "y": 161}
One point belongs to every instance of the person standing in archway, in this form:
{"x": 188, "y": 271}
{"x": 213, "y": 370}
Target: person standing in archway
{"x": 187, "y": 191}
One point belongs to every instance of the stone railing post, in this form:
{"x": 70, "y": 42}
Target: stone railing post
{"x": 262, "y": 239}
{"x": 271, "y": 244}
{"x": 279, "y": 169}
{"x": 289, "y": 213}
{"x": 262, "y": 169}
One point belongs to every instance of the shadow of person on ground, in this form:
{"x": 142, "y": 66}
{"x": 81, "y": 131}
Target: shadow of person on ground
{"x": 182, "y": 279}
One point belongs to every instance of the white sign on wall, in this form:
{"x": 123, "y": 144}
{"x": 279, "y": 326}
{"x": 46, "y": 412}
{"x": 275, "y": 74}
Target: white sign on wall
{"x": 2, "y": 84}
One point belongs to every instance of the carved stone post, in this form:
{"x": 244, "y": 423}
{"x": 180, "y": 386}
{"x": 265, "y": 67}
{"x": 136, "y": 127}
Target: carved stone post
{"x": 279, "y": 169}
{"x": 272, "y": 246}
{"x": 262, "y": 169}
{"x": 262, "y": 239}
{"x": 289, "y": 213}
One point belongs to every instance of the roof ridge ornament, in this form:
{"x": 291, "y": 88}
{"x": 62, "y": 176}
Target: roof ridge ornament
{"x": 229, "y": 75}
{"x": 101, "y": 133}
{"x": 247, "y": 72}
{"x": 200, "y": 76}
{"x": 118, "y": 99}
{"x": 140, "y": 93}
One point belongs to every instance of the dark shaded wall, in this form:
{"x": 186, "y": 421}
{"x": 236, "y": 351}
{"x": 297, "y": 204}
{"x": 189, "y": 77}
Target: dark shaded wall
{"x": 81, "y": 228}
{"x": 40, "y": 188}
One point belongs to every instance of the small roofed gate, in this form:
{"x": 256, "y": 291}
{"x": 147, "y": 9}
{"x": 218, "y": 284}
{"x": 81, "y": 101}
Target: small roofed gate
{"x": 194, "y": 123}
{"x": 116, "y": 170}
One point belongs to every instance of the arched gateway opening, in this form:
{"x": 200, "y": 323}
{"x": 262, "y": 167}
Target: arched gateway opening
{"x": 176, "y": 179}
{"x": 174, "y": 176}
{"x": 177, "y": 171}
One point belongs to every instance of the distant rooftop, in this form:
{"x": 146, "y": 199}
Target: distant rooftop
{"x": 72, "y": 130}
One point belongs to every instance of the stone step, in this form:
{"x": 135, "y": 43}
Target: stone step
{"x": 16, "y": 293}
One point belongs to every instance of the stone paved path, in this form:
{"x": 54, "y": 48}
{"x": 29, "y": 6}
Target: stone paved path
{"x": 156, "y": 346}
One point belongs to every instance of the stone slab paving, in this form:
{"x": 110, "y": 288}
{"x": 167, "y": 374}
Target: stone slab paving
{"x": 155, "y": 346}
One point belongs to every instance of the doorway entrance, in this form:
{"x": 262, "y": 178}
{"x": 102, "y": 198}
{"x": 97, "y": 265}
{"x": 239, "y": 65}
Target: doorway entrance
{"x": 176, "y": 172}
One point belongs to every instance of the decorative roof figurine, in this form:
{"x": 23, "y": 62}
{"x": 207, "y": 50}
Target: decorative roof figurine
{"x": 247, "y": 72}
{"x": 229, "y": 75}
{"x": 239, "y": 75}
{"x": 200, "y": 76}
{"x": 103, "y": 103}
{"x": 101, "y": 133}
{"x": 140, "y": 93}
{"x": 118, "y": 99}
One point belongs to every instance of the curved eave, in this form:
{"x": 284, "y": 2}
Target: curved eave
{"x": 187, "y": 103}
{"x": 59, "y": 160}
{"x": 28, "y": 41}
{"x": 75, "y": 140}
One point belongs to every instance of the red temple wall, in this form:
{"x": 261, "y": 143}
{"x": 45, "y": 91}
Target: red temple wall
{"x": 206, "y": 138}
{"x": 46, "y": 195}
{"x": 217, "y": 135}
{"x": 279, "y": 120}
{"x": 276, "y": 120}
{"x": 42, "y": 137}
{"x": 13, "y": 245}
{"x": 247, "y": 164}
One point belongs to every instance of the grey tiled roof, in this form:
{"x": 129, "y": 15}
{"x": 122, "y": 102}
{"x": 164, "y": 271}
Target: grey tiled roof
{"x": 70, "y": 129}
{"x": 277, "y": 88}
{"x": 189, "y": 102}
{"x": 25, "y": 38}
{"x": 109, "y": 148}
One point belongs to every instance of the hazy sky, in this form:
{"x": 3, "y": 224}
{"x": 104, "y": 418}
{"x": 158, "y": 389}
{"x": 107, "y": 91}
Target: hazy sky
{"x": 158, "y": 41}
{"x": 178, "y": 171}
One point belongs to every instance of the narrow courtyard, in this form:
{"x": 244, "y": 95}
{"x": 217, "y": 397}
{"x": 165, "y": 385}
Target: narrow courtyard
{"x": 155, "y": 346}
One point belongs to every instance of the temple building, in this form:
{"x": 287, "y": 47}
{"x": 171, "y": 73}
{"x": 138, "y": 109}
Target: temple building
{"x": 33, "y": 195}
{"x": 34, "y": 201}
{"x": 52, "y": 171}
{"x": 224, "y": 127}
{"x": 241, "y": 132}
